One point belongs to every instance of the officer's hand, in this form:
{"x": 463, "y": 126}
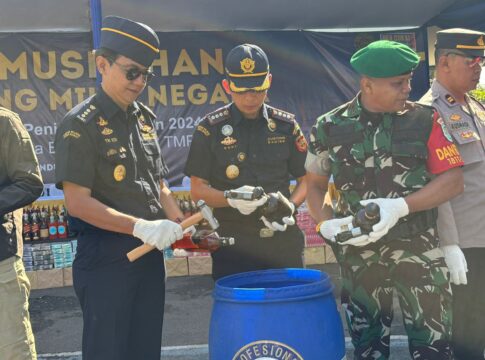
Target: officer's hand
{"x": 158, "y": 233}
{"x": 361, "y": 240}
{"x": 246, "y": 207}
{"x": 391, "y": 210}
{"x": 285, "y": 221}
{"x": 329, "y": 228}
{"x": 456, "y": 262}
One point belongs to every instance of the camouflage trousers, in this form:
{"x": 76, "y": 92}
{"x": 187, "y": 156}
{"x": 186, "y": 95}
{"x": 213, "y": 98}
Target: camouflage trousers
{"x": 416, "y": 270}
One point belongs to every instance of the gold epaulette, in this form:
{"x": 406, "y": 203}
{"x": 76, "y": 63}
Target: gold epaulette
{"x": 86, "y": 112}
{"x": 219, "y": 115}
{"x": 280, "y": 114}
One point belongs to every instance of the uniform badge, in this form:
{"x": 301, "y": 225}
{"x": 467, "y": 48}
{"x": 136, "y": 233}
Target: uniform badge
{"x": 122, "y": 152}
{"x": 248, "y": 65}
{"x": 228, "y": 141}
{"x": 467, "y": 134}
{"x": 203, "y": 130}
{"x": 71, "y": 133}
{"x": 119, "y": 172}
{"x": 266, "y": 232}
{"x": 446, "y": 133}
{"x": 271, "y": 125}
{"x": 102, "y": 121}
{"x": 107, "y": 131}
{"x": 146, "y": 128}
{"x": 301, "y": 144}
{"x": 232, "y": 172}
{"x": 111, "y": 152}
{"x": 450, "y": 99}
{"x": 455, "y": 117}
{"x": 241, "y": 156}
{"x": 227, "y": 130}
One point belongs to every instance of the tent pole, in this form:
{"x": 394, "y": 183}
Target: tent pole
{"x": 96, "y": 16}
{"x": 424, "y": 31}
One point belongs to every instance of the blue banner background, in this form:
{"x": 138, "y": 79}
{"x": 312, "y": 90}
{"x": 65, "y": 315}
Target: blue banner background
{"x": 43, "y": 75}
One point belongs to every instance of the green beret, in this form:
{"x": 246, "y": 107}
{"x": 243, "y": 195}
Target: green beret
{"x": 384, "y": 58}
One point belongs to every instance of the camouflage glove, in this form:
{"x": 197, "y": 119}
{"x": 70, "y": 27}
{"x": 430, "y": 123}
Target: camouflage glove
{"x": 456, "y": 262}
{"x": 391, "y": 210}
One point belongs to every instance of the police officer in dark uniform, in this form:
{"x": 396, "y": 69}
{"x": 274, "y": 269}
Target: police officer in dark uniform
{"x": 242, "y": 145}
{"x": 109, "y": 165}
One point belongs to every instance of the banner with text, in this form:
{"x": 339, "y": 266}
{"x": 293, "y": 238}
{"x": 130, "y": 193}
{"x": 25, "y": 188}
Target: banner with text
{"x": 44, "y": 75}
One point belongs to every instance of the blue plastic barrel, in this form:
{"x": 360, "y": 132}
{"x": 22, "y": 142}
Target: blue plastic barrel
{"x": 283, "y": 314}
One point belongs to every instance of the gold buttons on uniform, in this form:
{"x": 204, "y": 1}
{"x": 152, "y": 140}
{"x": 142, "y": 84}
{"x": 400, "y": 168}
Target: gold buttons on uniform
{"x": 232, "y": 172}
{"x": 119, "y": 172}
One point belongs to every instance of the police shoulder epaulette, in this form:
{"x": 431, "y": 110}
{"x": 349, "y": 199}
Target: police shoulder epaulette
{"x": 280, "y": 114}
{"x": 147, "y": 110}
{"x": 85, "y": 111}
{"x": 217, "y": 116}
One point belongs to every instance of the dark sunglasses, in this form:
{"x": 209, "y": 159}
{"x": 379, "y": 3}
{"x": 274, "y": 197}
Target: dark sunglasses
{"x": 133, "y": 72}
{"x": 471, "y": 61}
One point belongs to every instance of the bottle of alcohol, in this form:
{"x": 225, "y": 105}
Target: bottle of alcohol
{"x": 206, "y": 243}
{"x": 186, "y": 208}
{"x": 52, "y": 227}
{"x": 44, "y": 225}
{"x": 362, "y": 222}
{"x": 35, "y": 230}
{"x": 26, "y": 227}
{"x": 61, "y": 227}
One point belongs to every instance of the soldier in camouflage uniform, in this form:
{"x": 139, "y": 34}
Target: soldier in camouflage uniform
{"x": 381, "y": 148}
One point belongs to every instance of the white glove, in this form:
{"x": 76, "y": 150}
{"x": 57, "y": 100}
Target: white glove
{"x": 246, "y": 207}
{"x": 190, "y": 230}
{"x": 330, "y": 228}
{"x": 158, "y": 233}
{"x": 391, "y": 210}
{"x": 456, "y": 262}
{"x": 287, "y": 220}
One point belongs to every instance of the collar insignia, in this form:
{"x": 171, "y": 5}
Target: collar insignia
{"x": 450, "y": 99}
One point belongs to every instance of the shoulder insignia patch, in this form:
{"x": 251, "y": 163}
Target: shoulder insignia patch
{"x": 280, "y": 114}
{"x": 87, "y": 112}
{"x": 71, "y": 133}
{"x": 450, "y": 99}
{"x": 217, "y": 116}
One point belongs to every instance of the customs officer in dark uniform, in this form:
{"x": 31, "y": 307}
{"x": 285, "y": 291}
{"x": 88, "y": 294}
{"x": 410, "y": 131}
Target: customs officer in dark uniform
{"x": 109, "y": 165}
{"x": 242, "y": 145}
{"x": 459, "y": 55}
{"x": 381, "y": 148}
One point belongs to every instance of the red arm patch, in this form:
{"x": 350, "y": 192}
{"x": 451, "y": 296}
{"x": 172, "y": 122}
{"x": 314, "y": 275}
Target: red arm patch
{"x": 443, "y": 154}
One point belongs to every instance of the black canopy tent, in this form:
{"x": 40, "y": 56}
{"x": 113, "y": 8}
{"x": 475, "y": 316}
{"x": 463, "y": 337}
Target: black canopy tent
{"x": 219, "y": 15}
